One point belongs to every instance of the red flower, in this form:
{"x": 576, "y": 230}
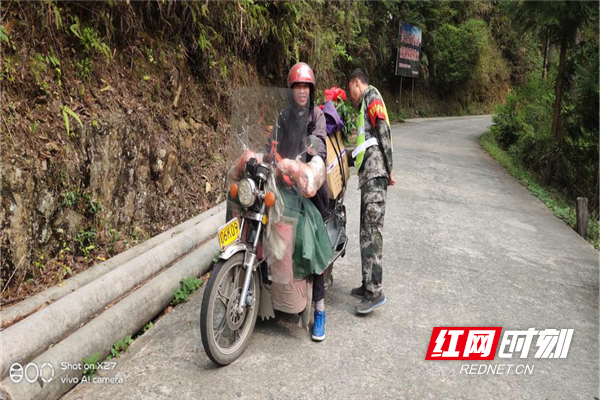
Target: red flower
{"x": 335, "y": 94}
{"x": 329, "y": 94}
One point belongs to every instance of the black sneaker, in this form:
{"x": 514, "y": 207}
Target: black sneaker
{"x": 367, "y": 306}
{"x": 359, "y": 292}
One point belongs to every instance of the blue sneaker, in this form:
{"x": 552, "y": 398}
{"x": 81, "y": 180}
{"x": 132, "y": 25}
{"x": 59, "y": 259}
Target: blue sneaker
{"x": 319, "y": 327}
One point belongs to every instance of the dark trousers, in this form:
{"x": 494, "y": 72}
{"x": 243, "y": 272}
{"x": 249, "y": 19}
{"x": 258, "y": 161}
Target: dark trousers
{"x": 321, "y": 201}
{"x": 318, "y": 287}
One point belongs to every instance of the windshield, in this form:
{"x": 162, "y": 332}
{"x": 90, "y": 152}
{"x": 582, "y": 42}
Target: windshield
{"x": 254, "y": 114}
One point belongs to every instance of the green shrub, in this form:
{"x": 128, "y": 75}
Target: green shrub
{"x": 188, "y": 286}
{"x": 85, "y": 240}
{"x": 527, "y": 114}
{"x": 569, "y": 163}
{"x": 70, "y": 197}
{"x": 90, "y": 365}
{"x": 120, "y": 347}
{"x": 84, "y": 68}
{"x": 66, "y": 113}
{"x": 90, "y": 39}
{"x": 454, "y": 55}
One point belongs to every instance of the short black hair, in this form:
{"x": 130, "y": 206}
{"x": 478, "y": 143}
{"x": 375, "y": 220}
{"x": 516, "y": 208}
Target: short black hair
{"x": 360, "y": 75}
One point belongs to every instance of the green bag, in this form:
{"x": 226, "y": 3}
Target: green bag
{"x": 312, "y": 247}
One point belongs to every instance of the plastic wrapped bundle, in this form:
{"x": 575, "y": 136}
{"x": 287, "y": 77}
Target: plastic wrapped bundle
{"x": 237, "y": 170}
{"x": 308, "y": 177}
{"x": 277, "y": 244}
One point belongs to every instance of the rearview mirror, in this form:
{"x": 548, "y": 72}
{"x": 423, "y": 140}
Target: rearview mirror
{"x": 313, "y": 145}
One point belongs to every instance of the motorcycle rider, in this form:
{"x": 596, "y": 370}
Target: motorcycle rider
{"x": 295, "y": 123}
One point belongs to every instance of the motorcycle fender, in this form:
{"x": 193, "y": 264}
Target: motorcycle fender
{"x": 233, "y": 249}
{"x": 265, "y": 310}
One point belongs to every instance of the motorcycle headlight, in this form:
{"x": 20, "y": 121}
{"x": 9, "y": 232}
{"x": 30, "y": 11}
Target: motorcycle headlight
{"x": 246, "y": 192}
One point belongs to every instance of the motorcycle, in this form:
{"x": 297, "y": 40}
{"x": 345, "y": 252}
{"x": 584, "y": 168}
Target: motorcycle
{"x": 267, "y": 244}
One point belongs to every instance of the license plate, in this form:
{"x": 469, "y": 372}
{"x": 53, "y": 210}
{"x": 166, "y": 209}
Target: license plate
{"x": 229, "y": 233}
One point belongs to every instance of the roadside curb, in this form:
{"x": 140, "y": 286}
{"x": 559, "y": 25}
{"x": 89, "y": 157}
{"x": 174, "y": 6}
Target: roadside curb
{"x": 117, "y": 303}
{"x": 21, "y": 310}
{"x": 124, "y": 318}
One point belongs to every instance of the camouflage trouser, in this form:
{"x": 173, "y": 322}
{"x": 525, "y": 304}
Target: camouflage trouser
{"x": 372, "y": 212}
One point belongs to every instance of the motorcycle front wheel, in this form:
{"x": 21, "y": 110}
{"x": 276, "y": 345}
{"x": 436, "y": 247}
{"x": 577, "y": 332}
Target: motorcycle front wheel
{"x": 225, "y": 331}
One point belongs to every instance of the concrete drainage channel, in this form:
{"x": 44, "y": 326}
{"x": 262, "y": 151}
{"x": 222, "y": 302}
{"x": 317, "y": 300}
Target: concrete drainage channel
{"x": 100, "y": 306}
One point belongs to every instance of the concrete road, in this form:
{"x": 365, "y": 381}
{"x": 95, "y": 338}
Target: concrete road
{"x": 465, "y": 245}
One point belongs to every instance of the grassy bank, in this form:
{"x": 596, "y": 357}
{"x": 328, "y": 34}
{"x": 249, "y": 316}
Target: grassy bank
{"x": 562, "y": 207}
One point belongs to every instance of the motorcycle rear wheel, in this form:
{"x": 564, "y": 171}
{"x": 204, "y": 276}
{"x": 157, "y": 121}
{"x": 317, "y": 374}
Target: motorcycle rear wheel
{"x": 225, "y": 332}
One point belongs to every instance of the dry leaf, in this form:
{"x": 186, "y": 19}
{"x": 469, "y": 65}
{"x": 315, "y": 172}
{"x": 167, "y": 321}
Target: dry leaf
{"x": 52, "y": 146}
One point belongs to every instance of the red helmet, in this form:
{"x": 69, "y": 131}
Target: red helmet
{"x": 301, "y": 73}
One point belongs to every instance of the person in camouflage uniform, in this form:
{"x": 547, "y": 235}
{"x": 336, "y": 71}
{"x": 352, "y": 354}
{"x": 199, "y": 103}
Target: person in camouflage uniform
{"x": 373, "y": 162}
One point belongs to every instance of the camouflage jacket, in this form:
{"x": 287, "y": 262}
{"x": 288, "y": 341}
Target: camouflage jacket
{"x": 377, "y": 161}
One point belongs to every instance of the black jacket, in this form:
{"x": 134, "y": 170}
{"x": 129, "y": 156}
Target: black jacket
{"x": 293, "y": 128}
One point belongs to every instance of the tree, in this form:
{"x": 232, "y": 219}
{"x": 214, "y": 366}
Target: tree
{"x": 561, "y": 21}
